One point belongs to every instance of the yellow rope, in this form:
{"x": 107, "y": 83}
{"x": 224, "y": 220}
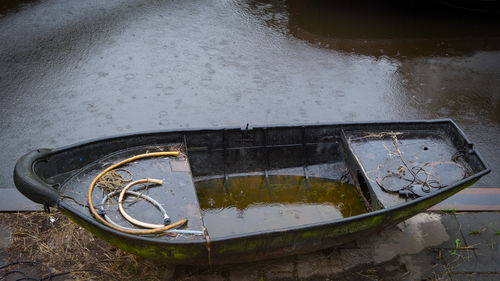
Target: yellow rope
{"x": 138, "y": 231}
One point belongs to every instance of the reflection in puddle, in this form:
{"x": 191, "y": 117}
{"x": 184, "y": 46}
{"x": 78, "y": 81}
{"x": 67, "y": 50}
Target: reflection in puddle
{"x": 231, "y": 206}
{"x": 392, "y": 29}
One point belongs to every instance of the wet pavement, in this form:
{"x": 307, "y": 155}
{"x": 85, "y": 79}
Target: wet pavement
{"x": 72, "y": 71}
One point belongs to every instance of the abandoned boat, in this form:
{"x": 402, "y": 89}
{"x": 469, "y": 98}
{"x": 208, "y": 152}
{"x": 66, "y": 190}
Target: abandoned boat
{"x": 218, "y": 196}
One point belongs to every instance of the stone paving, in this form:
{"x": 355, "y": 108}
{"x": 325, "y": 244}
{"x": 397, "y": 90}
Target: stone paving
{"x": 431, "y": 245}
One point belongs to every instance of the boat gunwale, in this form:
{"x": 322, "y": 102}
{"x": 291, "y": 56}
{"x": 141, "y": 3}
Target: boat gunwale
{"x": 330, "y": 223}
{"x": 273, "y": 126}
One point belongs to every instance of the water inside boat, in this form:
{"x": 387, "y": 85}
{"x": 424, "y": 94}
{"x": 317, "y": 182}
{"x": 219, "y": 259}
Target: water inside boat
{"x": 247, "y": 204}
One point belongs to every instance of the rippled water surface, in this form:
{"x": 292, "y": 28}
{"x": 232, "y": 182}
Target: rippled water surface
{"x": 76, "y": 70}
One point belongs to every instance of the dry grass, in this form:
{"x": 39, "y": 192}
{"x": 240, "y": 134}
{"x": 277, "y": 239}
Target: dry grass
{"x": 55, "y": 241}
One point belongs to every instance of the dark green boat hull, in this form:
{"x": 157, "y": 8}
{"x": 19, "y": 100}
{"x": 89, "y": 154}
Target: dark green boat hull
{"x": 39, "y": 174}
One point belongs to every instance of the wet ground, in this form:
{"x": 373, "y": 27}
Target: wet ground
{"x": 429, "y": 246}
{"x": 72, "y": 71}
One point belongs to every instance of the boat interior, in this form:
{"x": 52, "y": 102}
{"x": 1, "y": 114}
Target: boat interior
{"x": 235, "y": 182}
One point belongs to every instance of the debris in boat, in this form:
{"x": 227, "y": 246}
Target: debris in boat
{"x": 166, "y": 218}
{"x": 173, "y": 232}
{"x": 113, "y": 180}
{"x": 99, "y": 213}
{"x": 155, "y": 203}
{"x": 414, "y": 179}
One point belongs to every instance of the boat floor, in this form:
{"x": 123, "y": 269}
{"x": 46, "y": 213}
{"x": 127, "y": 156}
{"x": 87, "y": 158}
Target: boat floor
{"x": 431, "y": 154}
